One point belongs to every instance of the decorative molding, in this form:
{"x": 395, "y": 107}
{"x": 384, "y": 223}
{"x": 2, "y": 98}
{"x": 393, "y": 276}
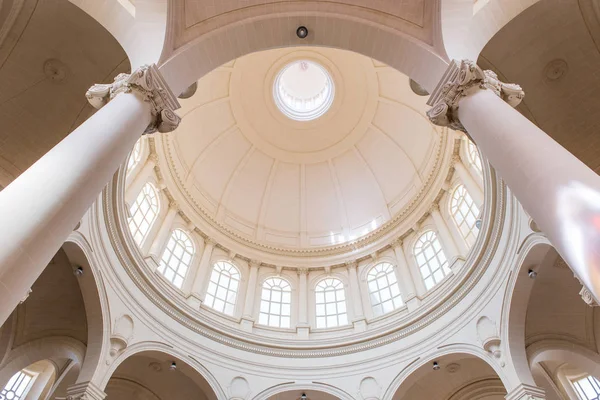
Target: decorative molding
{"x": 526, "y": 392}
{"x": 585, "y": 293}
{"x": 85, "y": 391}
{"x": 302, "y": 271}
{"x": 460, "y": 80}
{"x": 147, "y": 82}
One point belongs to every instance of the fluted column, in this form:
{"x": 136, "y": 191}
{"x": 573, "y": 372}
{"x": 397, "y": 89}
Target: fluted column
{"x": 559, "y": 191}
{"x": 405, "y": 278}
{"x": 203, "y": 272}
{"x": 42, "y": 206}
{"x": 356, "y": 298}
{"x": 466, "y": 178}
{"x": 135, "y": 186}
{"x": 163, "y": 233}
{"x": 446, "y": 238}
{"x": 251, "y": 290}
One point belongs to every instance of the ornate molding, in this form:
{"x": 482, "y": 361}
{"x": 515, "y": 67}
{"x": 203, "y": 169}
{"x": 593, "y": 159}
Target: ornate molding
{"x": 147, "y": 82}
{"x": 460, "y": 80}
{"x": 586, "y": 295}
{"x": 85, "y": 391}
{"x": 526, "y": 392}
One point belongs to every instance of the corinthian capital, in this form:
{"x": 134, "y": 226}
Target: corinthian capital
{"x": 147, "y": 82}
{"x": 460, "y": 80}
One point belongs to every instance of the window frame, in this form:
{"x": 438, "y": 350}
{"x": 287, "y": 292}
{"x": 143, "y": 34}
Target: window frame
{"x": 270, "y": 302}
{"x": 594, "y": 383}
{"x": 220, "y": 263}
{"x": 131, "y": 219}
{"x": 135, "y": 156}
{"x": 32, "y": 377}
{"x": 164, "y": 264}
{"x": 444, "y": 266}
{"x": 396, "y": 299}
{"x": 454, "y": 209}
{"x": 345, "y": 315}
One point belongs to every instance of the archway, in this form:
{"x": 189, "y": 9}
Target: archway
{"x": 451, "y": 376}
{"x": 294, "y": 391}
{"x": 156, "y": 375}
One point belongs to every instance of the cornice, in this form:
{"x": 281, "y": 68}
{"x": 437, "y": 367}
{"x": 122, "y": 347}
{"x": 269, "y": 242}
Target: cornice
{"x": 428, "y": 189}
{"x": 444, "y": 299}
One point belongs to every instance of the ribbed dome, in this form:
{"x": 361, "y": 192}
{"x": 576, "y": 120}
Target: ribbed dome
{"x": 241, "y": 162}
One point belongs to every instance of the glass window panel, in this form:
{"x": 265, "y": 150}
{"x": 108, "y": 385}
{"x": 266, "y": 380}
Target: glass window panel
{"x": 435, "y": 263}
{"x": 385, "y": 290}
{"x": 588, "y": 388}
{"x": 134, "y": 156}
{"x": 223, "y": 288}
{"x": 330, "y": 299}
{"x": 276, "y": 293}
{"x": 464, "y": 212}
{"x": 143, "y": 213}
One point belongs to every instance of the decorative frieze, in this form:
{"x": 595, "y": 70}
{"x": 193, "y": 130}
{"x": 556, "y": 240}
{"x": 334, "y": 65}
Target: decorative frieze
{"x": 147, "y": 82}
{"x": 85, "y": 391}
{"x": 460, "y": 80}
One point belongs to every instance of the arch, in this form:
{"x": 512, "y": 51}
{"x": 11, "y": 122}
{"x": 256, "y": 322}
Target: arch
{"x": 531, "y": 254}
{"x": 51, "y": 347}
{"x": 179, "y": 356}
{"x": 415, "y": 370}
{"x": 304, "y": 387}
{"x": 410, "y": 56}
{"x": 95, "y": 302}
{"x": 565, "y": 352}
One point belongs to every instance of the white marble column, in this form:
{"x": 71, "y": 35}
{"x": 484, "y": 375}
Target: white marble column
{"x": 251, "y": 291}
{"x": 448, "y": 243}
{"x": 355, "y": 296}
{"x": 466, "y": 178}
{"x": 405, "y": 278}
{"x": 203, "y": 271}
{"x": 162, "y": 236}
{"x": 560, "y": 192}
{"x": 42, "y": 206}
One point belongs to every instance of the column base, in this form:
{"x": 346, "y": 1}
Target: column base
{"x": 85, "y": 391}
{"x": 413, "y": 303}
{"x": 247, "y": 323}
{"x": 303, "y": 331}
{"x": 194, "y": 300}
{"x": 526, "y": 392}
{"x": 360, "y": 324}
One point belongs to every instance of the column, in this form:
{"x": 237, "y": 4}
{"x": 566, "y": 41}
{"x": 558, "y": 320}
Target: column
{"x": 251, "y": 291}
{"x": 448, "y": 242}
{"x": 85, "y": 391}
{"x": 135, "y": 186}
{"x": 405, "y": 278}
{"x": 303, "y": 297}
{"x": 42, "y": 206}
{"x": 526, "y": 392}
{"x": 560, "y": 192}
{"x": 162, "y": 236}
{"x": 356, "y": 298}
{"x": 467, "y": 179}
{"x": 203, "y": 271}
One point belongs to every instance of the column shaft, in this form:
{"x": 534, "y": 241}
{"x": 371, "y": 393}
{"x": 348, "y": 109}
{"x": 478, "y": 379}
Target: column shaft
{"x": 357, "y": 304}
{"x": 203, "y": 269}
{"x": 42, "y": 206}
{"x": 560, "y": 192}
{"x": 407, "y": 284}
{"x": 448, "y": 242}
{"x": 251, "y": 290}
{"x": 162, "y": 235}
{"x": 303, "y": 298}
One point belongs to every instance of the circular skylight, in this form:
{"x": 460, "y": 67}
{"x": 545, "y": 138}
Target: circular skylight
{"x": 303, "y": 90}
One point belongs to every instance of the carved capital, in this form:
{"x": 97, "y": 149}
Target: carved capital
{"x": 585, "y": 294}
{"x": 460, "y": 80}
{"x": 154, "y": 158}
{"x": 147, "y": 82}
{"x": 302, "y": 271}
{"x": 526, "y": 392}
{"x": 255, "y": 263}
{"x": 85, "y": 391}
{"x": 396, "y": 243}
{"x": 351, "y": 264}
{"x": 208, "y": 241}
{"x": 435, "y": 207}
{"x": 173, "y": 205}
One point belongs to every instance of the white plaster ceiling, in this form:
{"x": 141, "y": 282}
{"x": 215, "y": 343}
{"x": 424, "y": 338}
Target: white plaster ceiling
{"x": 238, "y": 160}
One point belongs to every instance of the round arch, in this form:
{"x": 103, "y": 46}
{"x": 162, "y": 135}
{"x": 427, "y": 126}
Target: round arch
{"x": 566, "y": 352}
{"x": 417, "y": 368}
{"x": 309, "y": 387}
{"x": 393, "y": 47}
{"x": 163, "y": 349}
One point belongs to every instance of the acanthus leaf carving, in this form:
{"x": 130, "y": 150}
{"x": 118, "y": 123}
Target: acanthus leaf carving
{"x": 147, "y": 82}
{"x": 460, "y": 80}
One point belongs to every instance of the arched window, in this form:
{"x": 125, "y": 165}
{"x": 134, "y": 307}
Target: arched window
{"x": 177, "y": 257}
{"x": 588, "y": 388}
{"x": 18, "y": 386}
{"x": 431, "y": 259}
{"x": 275, "y": 303}
{"x": 330, "y": 303}
{"x": 383, "y": 289}
{"x": 135, "y": 155}
{"x": 143, "y": 213}
{"x": 223, "y": 287}
{"x": 464, "y": 211}
{"x": 474, "y": 157}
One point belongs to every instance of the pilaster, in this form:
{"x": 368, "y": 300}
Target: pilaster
{"x": 85, "y": 391}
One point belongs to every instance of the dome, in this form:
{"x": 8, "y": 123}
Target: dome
{"x": 303, "y": 149}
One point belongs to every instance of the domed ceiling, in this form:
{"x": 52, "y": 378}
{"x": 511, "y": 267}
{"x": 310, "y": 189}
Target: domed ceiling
{"x": 255, "y": 171}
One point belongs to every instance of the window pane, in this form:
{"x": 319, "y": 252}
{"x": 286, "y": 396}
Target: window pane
{"x": 464, "y": 212}
{"x": 222, "y": 291}
{"x": 143, "y": 213}
{"x": 331, "y": 306}
{"x": 431, "y": 259}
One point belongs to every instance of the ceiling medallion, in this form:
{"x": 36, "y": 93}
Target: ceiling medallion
{"x": 303, "y": 90}
{"x": 556, "y": 69}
